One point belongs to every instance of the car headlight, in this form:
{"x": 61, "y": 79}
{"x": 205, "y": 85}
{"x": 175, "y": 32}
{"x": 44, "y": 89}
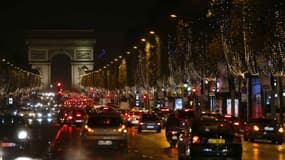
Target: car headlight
{"x": 255, "y": 128}
{"x": 281, "y": 130}
{"x": 39, "y": 115}
{"x": 23, "y": 135}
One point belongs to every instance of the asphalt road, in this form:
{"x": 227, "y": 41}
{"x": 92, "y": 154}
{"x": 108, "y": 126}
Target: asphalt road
{"x": 142, "y": 146}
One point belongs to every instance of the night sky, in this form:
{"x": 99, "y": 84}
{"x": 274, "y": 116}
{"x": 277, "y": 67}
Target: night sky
{"x": 111, "y": 20}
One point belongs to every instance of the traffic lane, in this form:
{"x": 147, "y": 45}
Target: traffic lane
{"x": 263, "y": 150}
{"x": 150, "y": 145}
{"x": 67, "y": 146}
{"x": 146, "y": 145}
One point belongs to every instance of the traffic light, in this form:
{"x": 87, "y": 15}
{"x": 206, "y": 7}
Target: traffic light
{"x": 59, "y": 87}
{"x": 194, "y": 90}
{"x": 58, "y": 84}
{"x": 145, "y": 97}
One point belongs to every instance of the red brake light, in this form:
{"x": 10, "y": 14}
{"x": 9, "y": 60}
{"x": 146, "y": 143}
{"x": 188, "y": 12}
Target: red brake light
{"x": 227, "y": 116}
{"x": 78, "y": 115}
{"x": 236, "y": 123}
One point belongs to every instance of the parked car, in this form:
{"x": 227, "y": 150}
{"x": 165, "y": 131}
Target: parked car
{"x": 104, "y": 130}
{"x": 149, "y": 122}
{"x": 210, "y": 138}
{"x": 264, "y": 128}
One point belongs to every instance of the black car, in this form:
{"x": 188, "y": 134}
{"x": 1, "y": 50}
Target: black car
{"x": 206, "y": 114}
{"x": 210, "y": 138}
{"x": 264, "y": 128}
{"x": 149, "y": 122}
{"x": 235, "y": 121}
{"x": 14, "y": 134}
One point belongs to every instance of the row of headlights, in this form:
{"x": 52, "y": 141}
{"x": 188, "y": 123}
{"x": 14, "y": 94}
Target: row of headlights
{"x": 280, "y": 129}
{"x": 33, "y": 114}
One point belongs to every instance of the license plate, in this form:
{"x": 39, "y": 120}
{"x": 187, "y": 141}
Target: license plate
{"x": 217, "y": 141}
{"x": 101, "y": 142}
{"x": 7, "y": 144}
{"x": 174, "y": 137}
{"x": 149, "y": 126}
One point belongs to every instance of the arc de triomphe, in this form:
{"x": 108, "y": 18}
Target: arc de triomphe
{"x": 76, "y": 45}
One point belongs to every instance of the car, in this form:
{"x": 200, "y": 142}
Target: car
{"x": 104, "y": 130}
{"x": 134, "y": 117}
{"x": 235, "y": 121}
{"x": 44, "y": 115}
{"x": 15, "y": 136}
{"x": 77, "y": 117}
{"x": 64, "y": 116}
{"x": 186, "y": 116}
{"x": 210, "y": 138}
{"x": 149, "y": 122}
{"x": 264, "y": 129}
{"x": 211, "y": 114}
{"x": 27, "y": 113}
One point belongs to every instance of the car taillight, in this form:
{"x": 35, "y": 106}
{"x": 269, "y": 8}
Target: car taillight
{"x": 123, "y": 129}
{"x": 141, "y": 123}
{"x": 255, "y": 128}
{"x": 69, "y": 117}
{"x": 78, "y": 115}
{"x": 87, "y": 128}
{"x": 195, "y": 139}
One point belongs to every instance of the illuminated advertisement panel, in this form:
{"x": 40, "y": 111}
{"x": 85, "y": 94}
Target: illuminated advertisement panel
{"x": 256, "y": 97}
{"x": 178, "y": 103}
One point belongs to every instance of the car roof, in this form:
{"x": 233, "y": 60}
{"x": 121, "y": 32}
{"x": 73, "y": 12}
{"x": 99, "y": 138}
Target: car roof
{"x": 107, "y": 114}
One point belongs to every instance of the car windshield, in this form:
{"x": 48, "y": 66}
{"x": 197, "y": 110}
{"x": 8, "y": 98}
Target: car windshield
{"x": 212, "y": 128}
{"x": 186, "y": 114}
{"x": 264, "y": 121}
{"x": 149, "y": 117}
{"x": 11, "y": 121}
{"x": 104, "y": 121}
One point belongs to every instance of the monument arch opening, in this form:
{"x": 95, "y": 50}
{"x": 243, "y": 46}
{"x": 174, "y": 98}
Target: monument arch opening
{"x": 61, "y": 71}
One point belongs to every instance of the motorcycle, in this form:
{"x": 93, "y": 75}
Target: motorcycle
{"x": 172, "y": 136}
{"x": 184, "y": 145}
